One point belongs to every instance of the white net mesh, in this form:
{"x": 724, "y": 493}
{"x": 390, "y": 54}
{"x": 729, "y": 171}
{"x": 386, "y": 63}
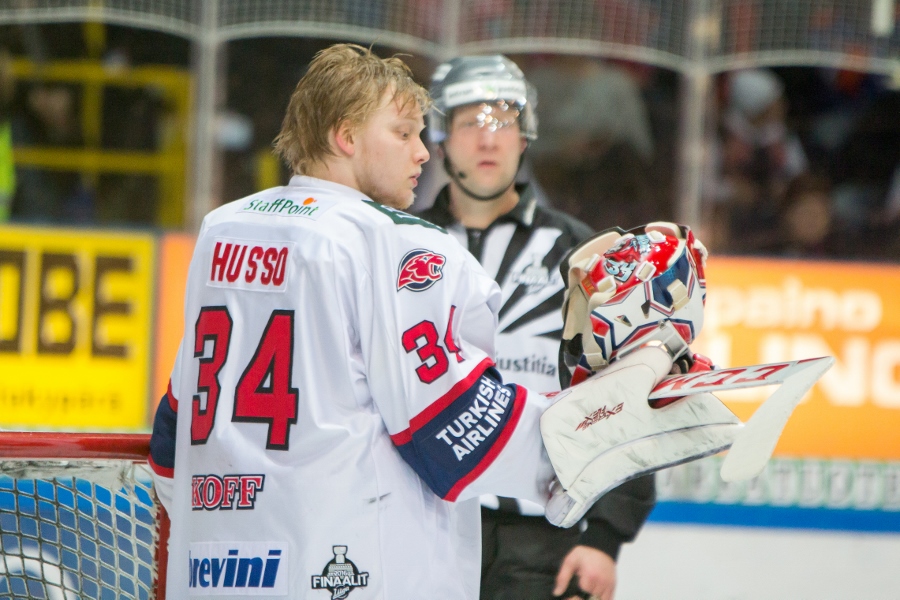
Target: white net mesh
{"x": 381, "y": 15}
{"x": 77, "y": 529}
{"x": 860, "y": 34}
{"x": 809, "y": 32}
{"x": 399, "y": 23}
{"x": 653, "y": 31}
{"x": 181, "y": 17}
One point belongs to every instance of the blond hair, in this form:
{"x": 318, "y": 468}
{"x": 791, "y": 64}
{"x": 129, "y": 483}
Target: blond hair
{"x": 344, "y": 83}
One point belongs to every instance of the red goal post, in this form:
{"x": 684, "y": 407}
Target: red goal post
{"x": 79, "y": 518}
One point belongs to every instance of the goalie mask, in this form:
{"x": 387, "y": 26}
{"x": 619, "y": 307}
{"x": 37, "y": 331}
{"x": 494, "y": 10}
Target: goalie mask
{"x": 621, "y": 285}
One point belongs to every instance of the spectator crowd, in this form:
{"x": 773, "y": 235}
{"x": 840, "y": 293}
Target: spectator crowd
{"x": 802, "y": 161}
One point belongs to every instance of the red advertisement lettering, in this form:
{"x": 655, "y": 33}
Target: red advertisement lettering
{"x": 234, "y": 266}
{"x": 249, "y": 486}
{"x": 716, "y": 377}
{"x": 763, "y": 373}
{"x": 255, "y": 255}
{"x": 212, "y": 492}
{"x": 220, "y": 260}
{"x": 268, "y": 267}
{"x": 280, "y": 266}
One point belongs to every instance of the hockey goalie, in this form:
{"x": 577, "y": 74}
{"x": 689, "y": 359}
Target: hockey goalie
{"x": 636, "y": 400}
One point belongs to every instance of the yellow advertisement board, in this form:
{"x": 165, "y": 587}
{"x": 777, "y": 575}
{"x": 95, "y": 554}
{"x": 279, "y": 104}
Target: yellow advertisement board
{"x": 762, "y": 311}
{"x": 75, "y": 328}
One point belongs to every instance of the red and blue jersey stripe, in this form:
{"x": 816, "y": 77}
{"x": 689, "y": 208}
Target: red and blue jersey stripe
{"x": 458, "y": 436}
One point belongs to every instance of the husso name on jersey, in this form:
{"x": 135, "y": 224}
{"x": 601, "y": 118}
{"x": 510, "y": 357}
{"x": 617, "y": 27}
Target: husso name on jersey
{"x": 245, "y": 568}
{"x": 252, "y": 265}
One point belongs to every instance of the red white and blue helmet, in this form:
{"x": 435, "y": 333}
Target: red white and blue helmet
{"x": 622, "y": 286}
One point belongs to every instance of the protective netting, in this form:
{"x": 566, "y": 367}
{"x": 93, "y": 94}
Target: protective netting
{"x": 77, "y": 530}
{"x": 385, "y": 16}
{"x": 680, "y": 34}
{"x": 812, "y": 32}
{"x": 653, "y": 30}
{"x": 180, "y": 17}
{"x": 397, "y": 23}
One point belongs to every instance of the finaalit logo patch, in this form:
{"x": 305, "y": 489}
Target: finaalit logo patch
{"x": 340, "y": 576}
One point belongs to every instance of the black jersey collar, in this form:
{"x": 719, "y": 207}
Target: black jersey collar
{"x": 522, "y": 212}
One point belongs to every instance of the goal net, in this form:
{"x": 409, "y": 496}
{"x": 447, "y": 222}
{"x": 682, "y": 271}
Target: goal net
{"x": 78, "y": 517}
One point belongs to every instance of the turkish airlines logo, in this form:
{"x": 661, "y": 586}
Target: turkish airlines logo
{"x": 419, "y": 270}
{"x": 249, "y": 265}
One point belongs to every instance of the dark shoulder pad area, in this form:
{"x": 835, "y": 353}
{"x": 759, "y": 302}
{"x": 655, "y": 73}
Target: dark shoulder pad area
{"x": 402, "y": 218}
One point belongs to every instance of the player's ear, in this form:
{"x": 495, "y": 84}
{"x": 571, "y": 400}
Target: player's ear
{"x": 523, "y": 145}
{"x": 343, "y": 138}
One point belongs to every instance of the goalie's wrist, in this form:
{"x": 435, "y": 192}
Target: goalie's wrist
{"x": 602, "y": 536}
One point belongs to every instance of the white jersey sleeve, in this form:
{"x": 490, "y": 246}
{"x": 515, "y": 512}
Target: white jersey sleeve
{"x": 429, "y": 354}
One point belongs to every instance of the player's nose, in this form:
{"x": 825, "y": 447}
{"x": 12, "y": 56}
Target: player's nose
{"x": 420, "y": 154}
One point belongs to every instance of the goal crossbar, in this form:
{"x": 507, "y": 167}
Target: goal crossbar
{"x": 79, "y": 518}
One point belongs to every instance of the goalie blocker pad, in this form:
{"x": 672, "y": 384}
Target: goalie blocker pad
{"x": 602, "y": 432}
{"x": 752, "y": 443}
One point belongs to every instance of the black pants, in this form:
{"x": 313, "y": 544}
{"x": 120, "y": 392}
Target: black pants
{"x": 520, "y": 556}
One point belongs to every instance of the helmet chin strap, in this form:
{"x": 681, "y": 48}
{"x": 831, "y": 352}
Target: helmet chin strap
{"x": 457, "y": 176}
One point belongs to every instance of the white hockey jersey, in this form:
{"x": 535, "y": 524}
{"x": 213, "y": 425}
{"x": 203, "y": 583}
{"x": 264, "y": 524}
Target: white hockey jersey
{"x": 339, "y": 407}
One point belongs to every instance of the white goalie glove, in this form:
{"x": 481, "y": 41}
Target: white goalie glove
{"x": 603, "y": 432}
{"x": 634, "y": 303}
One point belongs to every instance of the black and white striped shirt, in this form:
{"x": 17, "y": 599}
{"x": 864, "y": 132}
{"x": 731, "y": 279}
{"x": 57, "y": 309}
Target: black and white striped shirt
{"x": 522, "y": 250}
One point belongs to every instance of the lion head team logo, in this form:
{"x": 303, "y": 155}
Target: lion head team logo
{"x": 621, "y": 260}
{"x": 419, "y": 270}
{"x": 340, "y": 575}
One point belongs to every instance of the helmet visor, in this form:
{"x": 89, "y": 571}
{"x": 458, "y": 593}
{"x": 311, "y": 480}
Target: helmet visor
{"x": 490, "y": 116}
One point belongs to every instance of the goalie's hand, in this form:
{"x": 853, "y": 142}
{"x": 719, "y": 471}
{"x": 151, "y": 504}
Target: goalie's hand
{"x": 687, "y": 363}
{"x": 691, "y": 363}
{"x": 595, "y": 571}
